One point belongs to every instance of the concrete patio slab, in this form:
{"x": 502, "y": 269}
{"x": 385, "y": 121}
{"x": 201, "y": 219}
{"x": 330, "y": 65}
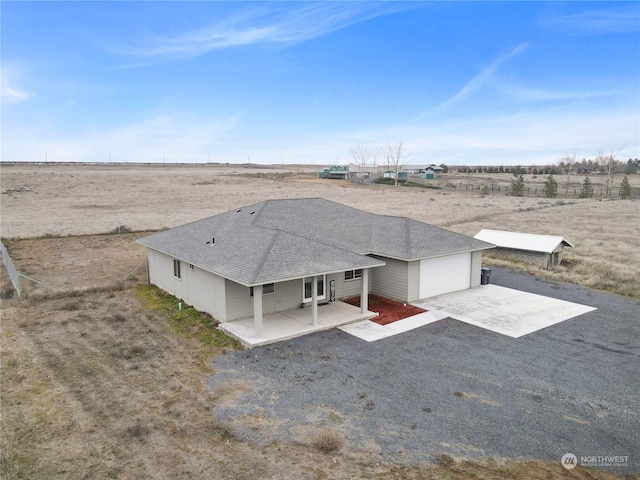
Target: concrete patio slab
{"x": 293, "y": 323}
{"x": 503, "y": 310}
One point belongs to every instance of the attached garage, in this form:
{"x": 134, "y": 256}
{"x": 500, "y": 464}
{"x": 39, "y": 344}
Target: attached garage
{"x": 445, "y": 274}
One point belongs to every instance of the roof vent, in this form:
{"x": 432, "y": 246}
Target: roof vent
{"x": 251, "y": 212}
{"x": 239, "y": 210}
{"x": 213, "y": 240}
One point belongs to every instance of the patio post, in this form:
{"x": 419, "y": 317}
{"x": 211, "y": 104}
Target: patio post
{"x": 314, "y": 300}
{"x": 257, "y": 311}
{"x": 364, "y": 296}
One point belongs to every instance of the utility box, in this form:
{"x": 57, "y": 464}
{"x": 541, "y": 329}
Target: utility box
{"x": 485, "y": 273}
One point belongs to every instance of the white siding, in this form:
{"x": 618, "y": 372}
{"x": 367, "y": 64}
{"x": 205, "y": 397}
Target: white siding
{"x": 203, "y": 290}
{"x": 391, "y": 280}
{"x": 239, "y": 303}
{"x": 476, "y": 268}
{"x": 446, "y": 274}
{"x": 161, "y": 273}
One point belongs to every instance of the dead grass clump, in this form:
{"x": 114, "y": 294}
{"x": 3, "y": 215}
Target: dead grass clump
{"x": 445, "y": 460}
{"x": 137, "y": 431}
{"x": 328, "y": 440}
{"x": 117, "y": 318}
{"x": 121, "y": 229}
{"x": 71, "y": 306}
{"x": 7, "y": 293}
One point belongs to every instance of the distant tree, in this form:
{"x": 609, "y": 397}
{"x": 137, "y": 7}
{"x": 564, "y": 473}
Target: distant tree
{"x": 363, "y": 157}
{"x": 625, "y": 188}
{"x": 631, "y": 167}
{"x": 609, "y": 165}
{"x": 550, "y": 187}
{"x": 519, "y": 171}
{"x": 568, "y": 165}
{"x": 517, "y": 186}
{"x": 445, "y": 169}
{"x": 586, "y": 191}
{"x": 395, "y": 154}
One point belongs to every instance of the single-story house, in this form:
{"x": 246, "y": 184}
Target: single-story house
{"x": 280, "y": 255}
{"x": 542, "y": 250}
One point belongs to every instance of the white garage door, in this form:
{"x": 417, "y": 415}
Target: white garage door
{"x": 445, "y": 274}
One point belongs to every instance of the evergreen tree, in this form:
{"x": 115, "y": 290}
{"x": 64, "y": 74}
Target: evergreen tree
{"x": 550, "y": 187}
{"x": 517, "y": 186}
{"x": 625, "y": 188}
{"x": 587, "y": 189}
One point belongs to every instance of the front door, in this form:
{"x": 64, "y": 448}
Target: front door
{"x": 307, "y": 285}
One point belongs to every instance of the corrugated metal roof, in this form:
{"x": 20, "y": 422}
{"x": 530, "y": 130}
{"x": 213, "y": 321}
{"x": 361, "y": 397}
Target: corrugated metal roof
{"x": 285, "y": 239}
{"x": 522, "y": 241}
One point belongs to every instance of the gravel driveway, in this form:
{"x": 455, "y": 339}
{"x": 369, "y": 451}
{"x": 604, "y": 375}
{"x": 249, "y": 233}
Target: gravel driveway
{"x": 452, "y": 387}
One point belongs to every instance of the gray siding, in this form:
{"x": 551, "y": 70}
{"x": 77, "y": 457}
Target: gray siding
{"x": 346, "y": 288}
{"x": 287, "y": 295}
{"x": 476, "y": 268}
{"x": 391, "y": 280}
{"x": 414, "y": 281}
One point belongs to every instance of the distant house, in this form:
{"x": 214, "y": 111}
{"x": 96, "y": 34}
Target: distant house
{"x": 542, "y": 250}
{"x": 278, "y": 255}
{"x": 392, "y": 174}
{"x": 335, "y": 172}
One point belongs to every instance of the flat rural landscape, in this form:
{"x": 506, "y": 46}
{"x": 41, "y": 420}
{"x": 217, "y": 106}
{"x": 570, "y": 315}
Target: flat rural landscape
{"x": 103, "y": 377}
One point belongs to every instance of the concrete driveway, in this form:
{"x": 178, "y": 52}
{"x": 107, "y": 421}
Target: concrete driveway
{"x": 502, "y": 310}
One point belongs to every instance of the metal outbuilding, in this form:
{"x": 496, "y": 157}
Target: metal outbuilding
{"x": 543, "y": 250}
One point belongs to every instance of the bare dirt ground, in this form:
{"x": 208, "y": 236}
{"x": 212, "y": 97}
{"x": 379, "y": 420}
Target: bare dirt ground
{"x": 96, "y": 384}
{"x": 61, "y": 200}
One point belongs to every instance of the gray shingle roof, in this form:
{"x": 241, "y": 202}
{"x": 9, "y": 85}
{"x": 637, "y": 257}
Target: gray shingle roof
{"x": 276, "y": 240}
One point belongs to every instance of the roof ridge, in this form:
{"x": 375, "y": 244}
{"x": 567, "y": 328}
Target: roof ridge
{"x": 267, "y": 251}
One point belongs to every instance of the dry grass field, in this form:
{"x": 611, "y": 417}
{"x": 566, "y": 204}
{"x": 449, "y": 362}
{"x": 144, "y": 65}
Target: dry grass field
{"x": 101, "y": 382}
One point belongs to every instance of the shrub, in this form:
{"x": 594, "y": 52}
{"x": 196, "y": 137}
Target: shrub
{"x": 328, "y": 440}
{"x": 586, "y": 191}
{"x": 625, "y": 188}
{"x": 517, "y": 186}
{"x": 550, "y": 187}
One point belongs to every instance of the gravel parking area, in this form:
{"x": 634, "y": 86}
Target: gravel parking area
{"x": 452, "y": 387}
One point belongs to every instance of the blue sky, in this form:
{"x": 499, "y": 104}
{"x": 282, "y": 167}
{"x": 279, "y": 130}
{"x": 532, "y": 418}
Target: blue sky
{"x": 464, "y": 83}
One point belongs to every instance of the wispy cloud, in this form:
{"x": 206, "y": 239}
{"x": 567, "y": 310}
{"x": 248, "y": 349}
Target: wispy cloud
{"x": 10, "y": 93}
{"x": 541, "y": 95}
{"x": 481, "y": 80}
{"x": 261, "y": 26}
{"x": 610, "y": 21}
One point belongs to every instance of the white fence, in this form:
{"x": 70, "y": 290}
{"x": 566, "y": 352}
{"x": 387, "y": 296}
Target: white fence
{"x": 14, "y": 275}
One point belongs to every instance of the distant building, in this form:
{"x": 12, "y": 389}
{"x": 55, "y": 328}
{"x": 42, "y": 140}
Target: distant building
{"x": 335, "y": 172}
{"x": 542, "y": 250}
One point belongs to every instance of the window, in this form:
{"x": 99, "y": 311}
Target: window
{"x": 267, "y": 288}
{"x": 176, "y": 268}
{"x": 307, "y": 286}
{"x": 353, "y": 274}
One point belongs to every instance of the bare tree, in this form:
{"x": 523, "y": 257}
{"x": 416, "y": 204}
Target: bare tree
{"x": 609, "y": 164}
{"x": 567, "y": 165}
{"x": 395, "y": 154}
{"x": 363, "y": 156}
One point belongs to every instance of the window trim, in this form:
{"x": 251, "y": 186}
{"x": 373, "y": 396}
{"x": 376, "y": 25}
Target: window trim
{"x": 306, "y": 299}
{"x": 176, "y": 269}
{"x": 272, "y": 292}
{"x": 356, "y": 274}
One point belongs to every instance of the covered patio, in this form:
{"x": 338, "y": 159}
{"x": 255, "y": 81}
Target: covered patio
{"x": 294, "y": 323}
